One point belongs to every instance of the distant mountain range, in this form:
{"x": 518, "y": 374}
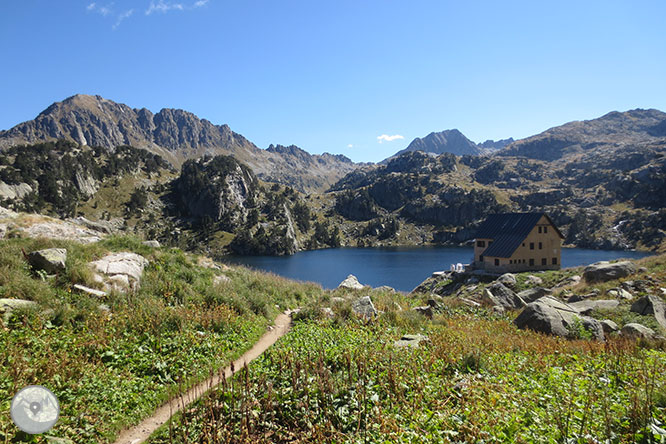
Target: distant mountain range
{"x": 176, "y": 135}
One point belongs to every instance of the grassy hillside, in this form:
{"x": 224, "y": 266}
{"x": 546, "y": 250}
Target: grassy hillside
{"x": 111, "y": 361}
{"x": 476, "y": 378}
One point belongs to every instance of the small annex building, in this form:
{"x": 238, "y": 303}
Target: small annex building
{"x": 515, "y": 242}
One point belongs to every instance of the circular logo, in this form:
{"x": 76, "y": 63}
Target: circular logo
{"x": 35, "y": 409}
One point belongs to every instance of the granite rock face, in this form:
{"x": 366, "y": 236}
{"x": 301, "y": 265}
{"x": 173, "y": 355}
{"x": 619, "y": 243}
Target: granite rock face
{"x": 604, "y": 271}
{"x": 550, "y": 316}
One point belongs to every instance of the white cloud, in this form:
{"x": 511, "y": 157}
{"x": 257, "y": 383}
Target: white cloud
{"x": 163, "y": 7}
{"x": 102, "y": 10}
{"x": 122, "y": 17}
{"x": 201, "y": 3}
{"x": 387, "y": 138}
{"x": 350, "y": 146}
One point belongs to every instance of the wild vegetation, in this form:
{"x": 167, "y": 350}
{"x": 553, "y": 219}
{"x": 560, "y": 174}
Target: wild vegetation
{"x": 475, "y": 379}
{"x": 111, "y": 361}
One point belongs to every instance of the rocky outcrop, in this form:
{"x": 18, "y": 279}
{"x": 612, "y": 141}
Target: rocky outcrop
{"x": 604, "y": 271}
{"x": 448, "y": 141}
{"x": 17, "y": 191}
{"x": 50, "y": 260}
{"x": 651, "y": 305}
{"x": 550, "y": 316}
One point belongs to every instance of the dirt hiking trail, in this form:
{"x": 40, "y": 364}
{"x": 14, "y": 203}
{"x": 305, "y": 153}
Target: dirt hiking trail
{"x": 140, "y": 432}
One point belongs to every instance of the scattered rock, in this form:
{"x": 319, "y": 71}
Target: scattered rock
{"x": 207, "y": 262}
{"x": 425, "y": 310}
{"x": 104, "y": 308}
{"x": 364, "y": 307}
{"x": 221, "y": 279}
{"x": 385, "y": 288}
{"x": 571, "y": 280}
{"x": 152, "y": 243}
{"x": 636, "y": 331}
{"x": 533, "y": 280}
{"x": 499, "y": 294}
{"x": 118, "y": 282}
{"x": 470, "y": 302}
{"x": 410, "y": 341}
{"x": 337, "y": 300}
{"x": 604, "y": 271}
{"x": 609, "y": 326}
{"x": 532, "y": 294}
{"x": 620, "y": 293}
{"x": 499, "y": 309}
{"x": 51, "y": 260}
{"x": 586, "y": 307}
{"x": 472, "y": 281}
{"x": 9, "y": 305}
{"x": 351, "y": 283}
{"x": 91, "y": 291}
{"x": 651, "y": 305}
{"x": 642, "y": 270}
{"x": 507, "y": 279}
{"x": 550, "y": 316}
{"x": 328, "y": 312}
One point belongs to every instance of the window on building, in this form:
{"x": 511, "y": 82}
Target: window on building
{"x": 531, "y": 261}
{"x": 545, "y": 229}
{"x": 544, "y": 261}
{"x": 480, "y": 243}
{"x": 496, "y": 261}
{"x": 531, "y": 245}
{"x": 539, "y": 229}
{"x": 554, "y": 261}
{"x": 523, "y": 244}
{"x": 489, "y": 243}
{"x": 481, "y": 258}
{"x": 540, "y": 246}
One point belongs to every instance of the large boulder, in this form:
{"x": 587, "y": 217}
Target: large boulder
{"x": 364, "y": 307}
{"x": 651, "y": 305}
{"x": 121, "y": 271}
{"x": 550, "y": 316}
{"x": 351, "y": 283}
{"x": 604, "y": 271}
{"x": 636, "y": 331}
{"x": 586, "y": 307}
{"x": 51, "y": 260}
{"x": 532, "y": 294}
{"x": 499, "y": 294}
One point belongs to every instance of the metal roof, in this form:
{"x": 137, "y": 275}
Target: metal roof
{"x": 508, "y": 231}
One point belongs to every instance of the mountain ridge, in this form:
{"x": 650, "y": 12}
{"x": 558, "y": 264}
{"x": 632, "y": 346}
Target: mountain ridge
{"x": 176, "y": 135}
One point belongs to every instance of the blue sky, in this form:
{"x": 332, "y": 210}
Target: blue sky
{"x": 336, "y": 76}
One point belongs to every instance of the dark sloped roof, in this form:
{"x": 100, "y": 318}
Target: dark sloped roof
{"x": 508, "y": 230}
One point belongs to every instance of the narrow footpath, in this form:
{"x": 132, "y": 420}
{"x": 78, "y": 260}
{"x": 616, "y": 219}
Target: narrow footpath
{"x": 145, "y": 428}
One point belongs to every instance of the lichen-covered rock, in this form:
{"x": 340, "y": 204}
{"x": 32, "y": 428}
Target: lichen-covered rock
{"x": 9, "y": 305}
{"x": 364, "y": 307}
{"x": 151, "y": 243}
{"x": 586, "y": 307}
{"x": 50, "y": 260}
{"x": 604, "y": 271}
{"x": 609, "y": 326}
{"x": 508, "y": 279}
{"x": 410, "y": 341}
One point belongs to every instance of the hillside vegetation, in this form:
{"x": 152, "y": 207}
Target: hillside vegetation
{"x": 111, "y": 360}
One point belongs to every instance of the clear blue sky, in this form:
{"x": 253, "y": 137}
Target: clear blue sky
{"x": 334, "y": 76}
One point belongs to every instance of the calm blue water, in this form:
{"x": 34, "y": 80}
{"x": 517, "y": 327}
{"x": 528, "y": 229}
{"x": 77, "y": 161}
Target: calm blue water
{"x": 402, "y": 268}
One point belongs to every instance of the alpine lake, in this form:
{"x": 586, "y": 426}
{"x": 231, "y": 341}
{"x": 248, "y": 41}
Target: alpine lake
{"x": 402, "y": 268}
